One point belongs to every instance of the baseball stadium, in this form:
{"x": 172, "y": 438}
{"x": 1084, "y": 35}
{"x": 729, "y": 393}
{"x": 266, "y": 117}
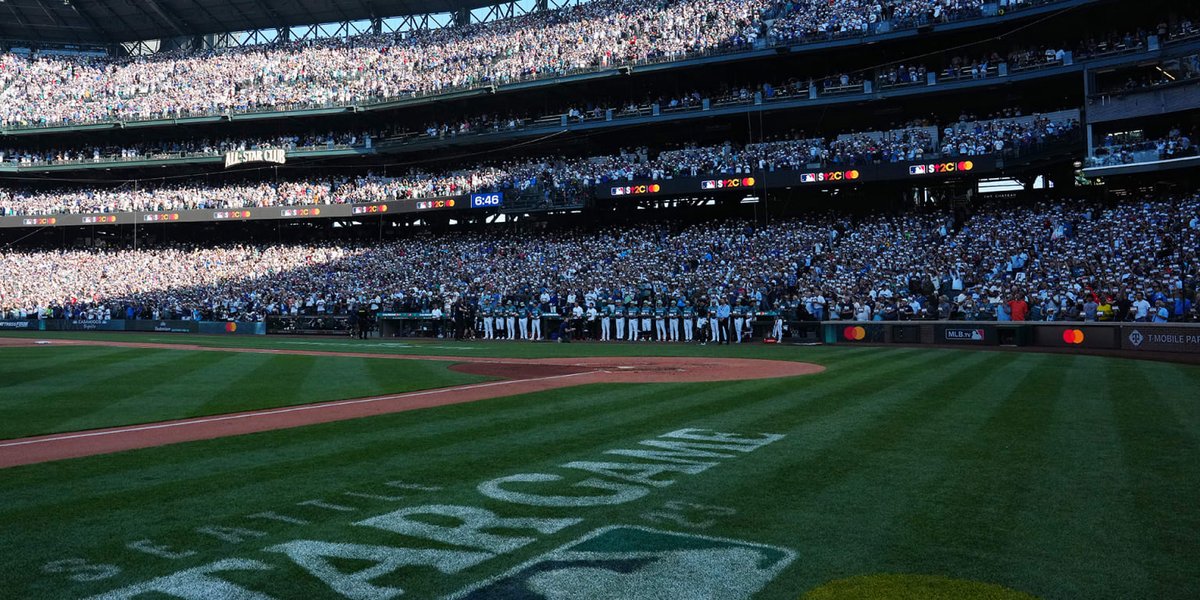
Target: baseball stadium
{"x": 599, "y": 299}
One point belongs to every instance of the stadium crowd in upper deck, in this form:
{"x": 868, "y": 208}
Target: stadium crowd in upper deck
{"x": 969, "y": 137}
{"x": 47, "y": 90}
{"x": 1054, "y": 261}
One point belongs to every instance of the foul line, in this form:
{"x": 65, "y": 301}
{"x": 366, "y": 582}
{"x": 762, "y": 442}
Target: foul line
{"x": 265, "y": 413}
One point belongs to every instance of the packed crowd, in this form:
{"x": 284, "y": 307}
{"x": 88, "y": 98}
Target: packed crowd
{"x": 189, "y": 147}
{"x": 1124, "y": 149}
{"x": 49, "y": 89}
{"x": 1075, "y": 261}
{"x": 798, "y": 152}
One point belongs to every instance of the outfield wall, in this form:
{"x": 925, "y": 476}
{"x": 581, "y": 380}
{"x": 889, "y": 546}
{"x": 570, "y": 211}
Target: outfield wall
{"x": 159, "y": 326}
{"x": 1130, "y": 337}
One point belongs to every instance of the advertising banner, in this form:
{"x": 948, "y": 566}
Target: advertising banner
{"x": 1075, "y": 335}
{"x": 1160, "y": 338}
{"x": 20, "y": 325}
{"x": 86, "y": 324}
{"x": 232, "y": 328}
{"x": 238, "y": 157}
{"x": 967, "y": 334}
{"x": 163, "y": 326}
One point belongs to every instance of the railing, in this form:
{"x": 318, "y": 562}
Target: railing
{"x": 157, "y": 156}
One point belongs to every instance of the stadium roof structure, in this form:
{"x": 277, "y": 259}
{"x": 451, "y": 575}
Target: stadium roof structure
{"x": 107, "y": 22}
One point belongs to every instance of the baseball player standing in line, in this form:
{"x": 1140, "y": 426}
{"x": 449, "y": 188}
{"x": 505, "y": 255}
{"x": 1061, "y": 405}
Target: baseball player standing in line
{"x": 634, "y": 321}
{"x": 523, "y": 321}
{"x": 535, "y": 322}
{"x": 620, "y": 312}
{"x": 674, "y": 314}
{"x": 777, "y": 331}
{"x": 486, "y": 313}
{"x": 647, "y": 325}
{"x": 739, "y": 319}
{"x": 689, "y": 320}
{"x": 660, "y": 322}
{"x": 606, "y": 323}
{"x": 714, "y": 323}
{"x": 510, "y": 317}
{"x": 498, "y": 312}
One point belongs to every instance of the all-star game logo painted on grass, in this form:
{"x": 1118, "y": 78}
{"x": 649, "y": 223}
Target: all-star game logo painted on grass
{"x": 620, "y": 562}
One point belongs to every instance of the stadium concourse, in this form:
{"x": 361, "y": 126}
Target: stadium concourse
{"x": 1073, "y": 261}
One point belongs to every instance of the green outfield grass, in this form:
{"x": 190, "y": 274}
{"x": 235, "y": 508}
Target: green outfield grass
{"x": 1002, "y": 474}
{"x": 50, "y": 390}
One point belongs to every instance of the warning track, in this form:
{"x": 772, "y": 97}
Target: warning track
{"x": 517, "y": 376}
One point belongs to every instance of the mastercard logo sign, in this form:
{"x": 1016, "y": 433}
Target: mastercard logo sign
{"x": 1073, "y": 336}
{"x": 854, "y": 333}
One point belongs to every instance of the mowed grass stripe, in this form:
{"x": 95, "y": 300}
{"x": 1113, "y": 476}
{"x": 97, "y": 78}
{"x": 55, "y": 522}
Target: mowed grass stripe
{"x": 1074, "y": 507}
{"x": 977, "y": 515}
{"x": 74, "y": 398}
{"x": 164, "y": 391}
{"x": 132, "y": 386}
{"x": 256, "y": 378}
{"x": 22, "y": 368}
{"x": 1162, "y": 474}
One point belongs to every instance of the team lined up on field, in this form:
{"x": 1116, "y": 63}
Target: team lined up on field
{"x": 614, "y": 321}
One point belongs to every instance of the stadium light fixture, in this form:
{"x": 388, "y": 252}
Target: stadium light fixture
{"x": 750, "y": 200}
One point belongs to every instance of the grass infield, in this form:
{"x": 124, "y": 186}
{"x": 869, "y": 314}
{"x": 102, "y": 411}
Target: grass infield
{"x": 1056, "y": 476}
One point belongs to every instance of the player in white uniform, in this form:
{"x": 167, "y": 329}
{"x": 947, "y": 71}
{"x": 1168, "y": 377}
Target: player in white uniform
{"x": 634, "y": 322}
{"x": 535, "y": 322}
{"x": 620, "y": 310}
{"x": 485, "y": 312}
{"x": 510, "y": 320}
{"x": 523, "y": 321}
{"x": 714, "y": 324}
{"x": 606, "y": 323}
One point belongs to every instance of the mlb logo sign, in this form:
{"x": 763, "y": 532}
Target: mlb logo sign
{"x": 917, "y": 170}
{"x": 622, "y": 562}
